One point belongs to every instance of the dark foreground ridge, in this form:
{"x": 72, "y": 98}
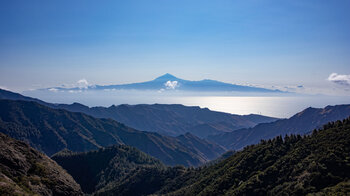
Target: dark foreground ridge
{"x": 25, "y": 171}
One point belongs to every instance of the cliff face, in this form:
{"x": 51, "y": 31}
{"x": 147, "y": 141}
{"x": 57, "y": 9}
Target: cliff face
{"x": 25, "y": 171}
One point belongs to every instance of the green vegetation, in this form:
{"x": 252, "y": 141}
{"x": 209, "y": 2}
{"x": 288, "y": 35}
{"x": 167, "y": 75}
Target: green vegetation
{"x": 148, "y": 180}
{"x": 95, "y": 169}
{"x": 317, "y": 163}
{"x": 120, "y": 169}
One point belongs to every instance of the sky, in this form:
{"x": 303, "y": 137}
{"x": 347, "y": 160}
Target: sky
{"x": 264, "y": 43}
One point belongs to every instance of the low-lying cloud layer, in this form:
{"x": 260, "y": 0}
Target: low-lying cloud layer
{"x": 339, "y": 79}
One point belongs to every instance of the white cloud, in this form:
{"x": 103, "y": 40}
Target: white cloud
{"x": 339, "y": 79}
{"x": 171, "y": 84}
{"x": 83, "y": 84}
{"x": 53, "y": 90}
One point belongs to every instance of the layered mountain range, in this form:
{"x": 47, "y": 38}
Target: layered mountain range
{"x": 317, "y": 164}
{"x": 112, "y": 158}
{"x": 51, "y": 130}
{"x": 167, "y": 119}
{"x": 294, "y": 165}
{"x": 172, "y": 119}
{"x": 301, "y": 123}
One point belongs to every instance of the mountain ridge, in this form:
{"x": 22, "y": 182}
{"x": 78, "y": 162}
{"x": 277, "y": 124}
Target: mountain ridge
{"x": 301, "y": 123}
{"x": 316, "y": 164}
{"x": 51, "y": 130}
{"x": 294, "y": 165}
{"x": 167, "y": 119}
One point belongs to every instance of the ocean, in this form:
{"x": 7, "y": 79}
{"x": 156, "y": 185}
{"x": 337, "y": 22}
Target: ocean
{"x": 281, "y": 106}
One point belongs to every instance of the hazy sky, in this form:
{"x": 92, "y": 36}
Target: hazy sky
{"x": 281, "y": 43}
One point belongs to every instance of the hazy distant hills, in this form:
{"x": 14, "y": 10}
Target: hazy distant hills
{"x": 168, "y": 119}
{"x": 172, "y": 119}
{"x": 301, "y": 123}
{"x": 25, "y": 171}
{"x": 51, "y": 130}
{"x": 170, "y": 82}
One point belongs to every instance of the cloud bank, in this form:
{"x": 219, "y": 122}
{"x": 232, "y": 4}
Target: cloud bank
{"x": 339, "y": 79}
{"x": 171, "y": 84}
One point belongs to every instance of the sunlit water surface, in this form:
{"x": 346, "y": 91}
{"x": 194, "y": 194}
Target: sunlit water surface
{"x": 271, "y": 105}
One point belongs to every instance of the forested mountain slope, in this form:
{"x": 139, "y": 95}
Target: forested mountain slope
{"x": 294, "y": 165}
{"x": 51, "y": 130}
{"x": 316, "y": 164}
{"x": 95, "y": 169}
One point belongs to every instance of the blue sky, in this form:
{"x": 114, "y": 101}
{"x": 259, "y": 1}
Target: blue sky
{"x": 267, "y": 43}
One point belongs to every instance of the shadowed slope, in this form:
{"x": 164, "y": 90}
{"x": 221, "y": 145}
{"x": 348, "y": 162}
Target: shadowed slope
{"x": 95, "y": 169}
{"x": 25, "y": 171}
{"x": 51, "y": 130}
{"x": 301, "y": 123}
{"x": 168, "y": 119}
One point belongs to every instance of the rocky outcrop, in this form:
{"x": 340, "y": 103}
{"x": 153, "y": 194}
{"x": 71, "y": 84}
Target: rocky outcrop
{"x": 25, "y": 171}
